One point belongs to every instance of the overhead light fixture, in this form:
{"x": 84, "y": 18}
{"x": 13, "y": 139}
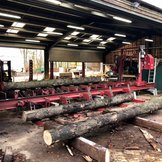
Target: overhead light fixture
{"x": 94, "y": 36}
{"x": 56, "y": 2}
{"x": 98, "y": 13}
{"x": 103, "y": 42}
{"x": 98, "y": 39}
{"x": 75, "y": 27}
{"x": 100, "y": 47}
{"x": 86, "y": 40}
{"x": 9, "y": 15}
{"x": 49, "y": 29}
{"x": 120, "y": 35}
{"x": 126, "y": 42}
{"x": 67, "y": 38}
{"x": 74, "y": 45}
{"x": 122, "y": 19}
{"x": 55, "y": 33}
{"x": 18, "y": 24}
{"x": 1, "y": 25}
{"x": 111, "y": 39}
{"x": 42, "y": 35}
{"x": 81, "y": 7}
{"x": 66, "y": 5}
{"x": 149, "y": 40}
{"x": 75, "y": 33}
{"x": 12, "y": 31}
{"x": 31, "y": 40}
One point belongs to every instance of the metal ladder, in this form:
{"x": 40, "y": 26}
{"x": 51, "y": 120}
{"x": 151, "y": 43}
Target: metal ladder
{"x": 152, "y": 73}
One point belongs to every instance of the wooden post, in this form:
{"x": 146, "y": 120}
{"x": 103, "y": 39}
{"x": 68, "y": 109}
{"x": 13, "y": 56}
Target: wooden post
{"x": 46, "y": 64}
{"x": 91, "y": 149}
{"x": 121, "y": 65}
{"x": 1, "y": 72}
{"x": 9, "y": 70}
{"x": 51, "y": 70}
{"x": 83, "y": 69}
{"x": 30, "y": 70}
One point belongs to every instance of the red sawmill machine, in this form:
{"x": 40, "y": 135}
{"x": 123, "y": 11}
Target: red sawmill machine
{"x": 38, "y": 94}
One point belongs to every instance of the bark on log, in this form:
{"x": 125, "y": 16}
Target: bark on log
{"x": 48, "y": 83}
{"x": 92, "y": 149}
{"x": 81, "y": 128}
{"x": 75, "y": 107}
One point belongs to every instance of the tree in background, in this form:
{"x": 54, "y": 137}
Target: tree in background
{"x": 36, "y": 56}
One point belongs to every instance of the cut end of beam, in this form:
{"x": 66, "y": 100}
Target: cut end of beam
{"x": 47, "y": 137}
{"x": 107, "y": 156}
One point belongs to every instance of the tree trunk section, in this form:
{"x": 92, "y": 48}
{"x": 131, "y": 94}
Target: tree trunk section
{"x": 75, "y": 107}
{"x": 78, "y": 129}
{"x": 48, "y": 83}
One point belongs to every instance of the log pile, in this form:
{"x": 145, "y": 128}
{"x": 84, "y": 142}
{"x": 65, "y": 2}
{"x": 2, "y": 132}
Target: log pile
{"x": 94, "y": 123}
{"x": 75, "y": 107}
{"x": 47, "y": 83}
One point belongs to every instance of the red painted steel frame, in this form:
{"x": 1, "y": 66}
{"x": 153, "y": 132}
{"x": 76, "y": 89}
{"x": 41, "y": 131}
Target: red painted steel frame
{"x": 14, "y": 103}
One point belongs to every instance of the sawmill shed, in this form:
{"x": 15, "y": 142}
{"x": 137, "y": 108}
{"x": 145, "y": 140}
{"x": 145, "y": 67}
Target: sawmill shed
{"x": 80, "y": 80}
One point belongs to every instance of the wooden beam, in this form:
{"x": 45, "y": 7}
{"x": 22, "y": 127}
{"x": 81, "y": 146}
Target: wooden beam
{"x": 147, "y": 123}
{"x": 8, "y": 154}
{"x": 91, "y": 149}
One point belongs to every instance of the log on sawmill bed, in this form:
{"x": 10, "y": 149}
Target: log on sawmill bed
{"x": 47, "y": 83}
{"x": 78, "y": 129}
{"x": 76, "y": 107}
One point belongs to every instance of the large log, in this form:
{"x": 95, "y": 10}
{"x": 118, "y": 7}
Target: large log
{"x": 47, "y": 83}
{"x": 78, "y": 129}
{"x": 75, "y": 107}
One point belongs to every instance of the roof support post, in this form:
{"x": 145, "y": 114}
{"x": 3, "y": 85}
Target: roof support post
{"x": 83, "y": 69}
{"x": 46, "y": 64}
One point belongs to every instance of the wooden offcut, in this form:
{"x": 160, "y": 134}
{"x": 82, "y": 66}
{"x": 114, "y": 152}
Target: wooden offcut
{"x": 79, "y": 129}
{"x": 148, "y": 123}
{"x": 148, "y": 136}
{"x": 8, "y": 157}
{"x": 75, "y": 107}
{"x": 91, "y": 149}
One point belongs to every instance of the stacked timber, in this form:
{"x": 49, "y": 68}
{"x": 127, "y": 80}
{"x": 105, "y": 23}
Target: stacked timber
{"x": 75, "y": 107}
{"x": 95, "y": 123}
{"x": 47, "y": 83}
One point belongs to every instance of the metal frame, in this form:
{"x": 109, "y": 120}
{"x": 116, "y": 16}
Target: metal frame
{"x": 85, "y": 92}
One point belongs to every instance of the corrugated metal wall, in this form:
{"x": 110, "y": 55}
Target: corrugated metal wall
{"x": 71, "y": 55}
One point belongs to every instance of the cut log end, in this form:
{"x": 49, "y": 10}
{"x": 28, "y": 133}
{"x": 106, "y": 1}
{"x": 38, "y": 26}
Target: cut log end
{"x": 47, "y": 137}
